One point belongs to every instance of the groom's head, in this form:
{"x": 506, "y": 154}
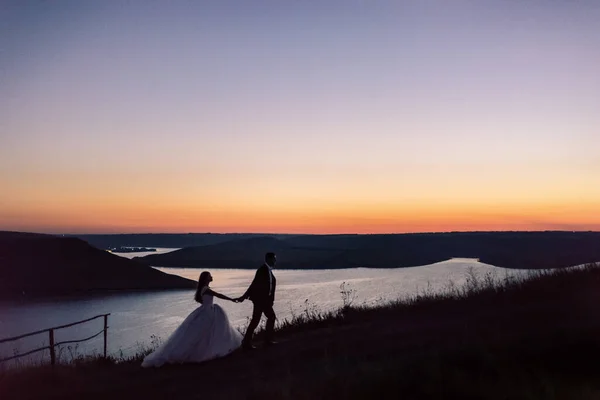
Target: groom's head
{"x": 271, "y": 259}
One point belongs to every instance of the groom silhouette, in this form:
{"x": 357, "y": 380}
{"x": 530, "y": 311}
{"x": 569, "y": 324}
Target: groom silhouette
{"x": 262, "y": 294}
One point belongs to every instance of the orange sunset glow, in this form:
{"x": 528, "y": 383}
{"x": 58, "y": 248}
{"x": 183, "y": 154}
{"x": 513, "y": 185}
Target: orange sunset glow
{"x": 408, "y": 120}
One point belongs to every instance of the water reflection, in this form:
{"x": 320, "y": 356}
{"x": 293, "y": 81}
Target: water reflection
{"x": 136, "y": 316}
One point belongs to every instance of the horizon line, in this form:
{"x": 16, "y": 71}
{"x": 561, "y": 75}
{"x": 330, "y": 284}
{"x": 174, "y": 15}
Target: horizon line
{"x": 307, "y": 234}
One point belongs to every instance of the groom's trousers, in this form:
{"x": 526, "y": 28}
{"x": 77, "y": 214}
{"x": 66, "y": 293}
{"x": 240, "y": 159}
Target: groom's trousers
{"x": 257, "y": 312}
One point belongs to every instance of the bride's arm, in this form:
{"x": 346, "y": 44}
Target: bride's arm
{"x": 219, "y": 295}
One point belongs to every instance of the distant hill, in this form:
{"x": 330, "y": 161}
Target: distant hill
{"x": 35, "y": 265}
{"x": 107, "y": 241}
{"x": 526, "y": 250}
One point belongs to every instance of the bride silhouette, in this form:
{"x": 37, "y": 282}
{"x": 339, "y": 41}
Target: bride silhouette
{"x": 205, "y": 334}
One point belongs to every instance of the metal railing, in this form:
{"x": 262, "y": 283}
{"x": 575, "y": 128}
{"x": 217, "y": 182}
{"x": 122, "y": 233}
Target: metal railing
{"x": 52, "y": 344}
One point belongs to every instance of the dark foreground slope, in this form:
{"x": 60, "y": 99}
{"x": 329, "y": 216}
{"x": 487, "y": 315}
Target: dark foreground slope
{"x": 527, "y": 250}
{"x": 534, "y": 340}
{"x": 34, "y": 265}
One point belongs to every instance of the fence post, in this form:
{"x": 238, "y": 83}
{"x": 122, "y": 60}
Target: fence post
{"x": 105, "y": 332}
{"x": 52, "y": 353}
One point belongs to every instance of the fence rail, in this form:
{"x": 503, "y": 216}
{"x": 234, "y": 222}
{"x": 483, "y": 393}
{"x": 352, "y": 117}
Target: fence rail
{"x": 51, "y": 342}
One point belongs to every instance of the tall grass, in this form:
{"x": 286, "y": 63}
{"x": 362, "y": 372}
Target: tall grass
{"x": 476, "y": 288}
{"x": 72, "y": 355}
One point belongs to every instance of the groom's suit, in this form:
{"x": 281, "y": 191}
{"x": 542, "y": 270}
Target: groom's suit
{"x": 262, "y": 294}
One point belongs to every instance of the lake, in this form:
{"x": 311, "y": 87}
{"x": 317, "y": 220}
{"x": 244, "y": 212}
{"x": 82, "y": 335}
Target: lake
{"x": 136, "y": 317}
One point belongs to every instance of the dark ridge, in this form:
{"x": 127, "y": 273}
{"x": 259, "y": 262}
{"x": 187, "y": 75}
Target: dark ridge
{"x": 524, "y": 250}
{"x": 106, "y": 241}
{"x": 36, "y": 265}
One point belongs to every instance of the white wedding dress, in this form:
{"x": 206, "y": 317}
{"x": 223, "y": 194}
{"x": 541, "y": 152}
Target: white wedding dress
{"x": 205, "y": 334}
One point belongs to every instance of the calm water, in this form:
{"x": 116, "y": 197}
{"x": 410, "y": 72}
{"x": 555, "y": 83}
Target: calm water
{"x": 135, "y": 317}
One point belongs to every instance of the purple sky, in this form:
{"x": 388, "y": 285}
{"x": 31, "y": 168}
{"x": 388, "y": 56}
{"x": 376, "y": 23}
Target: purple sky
{"x": 295, "y": 108}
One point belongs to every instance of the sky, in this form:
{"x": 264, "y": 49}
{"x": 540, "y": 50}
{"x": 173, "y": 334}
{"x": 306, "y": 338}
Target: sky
{"x": 299, "y": 116}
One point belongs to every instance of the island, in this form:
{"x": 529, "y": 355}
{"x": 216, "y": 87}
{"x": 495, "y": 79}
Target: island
{"x": 126, "y": 249}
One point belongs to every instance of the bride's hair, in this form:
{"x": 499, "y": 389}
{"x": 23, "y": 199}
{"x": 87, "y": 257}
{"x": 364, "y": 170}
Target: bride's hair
{"x": 202, "y": 281}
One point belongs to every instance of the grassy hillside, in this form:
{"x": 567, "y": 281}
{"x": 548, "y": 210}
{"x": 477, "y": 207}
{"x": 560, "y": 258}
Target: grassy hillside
{"x": 527, "y": 250}
{"x": 514, "y": 339}
{"x": 34, "y": 265}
